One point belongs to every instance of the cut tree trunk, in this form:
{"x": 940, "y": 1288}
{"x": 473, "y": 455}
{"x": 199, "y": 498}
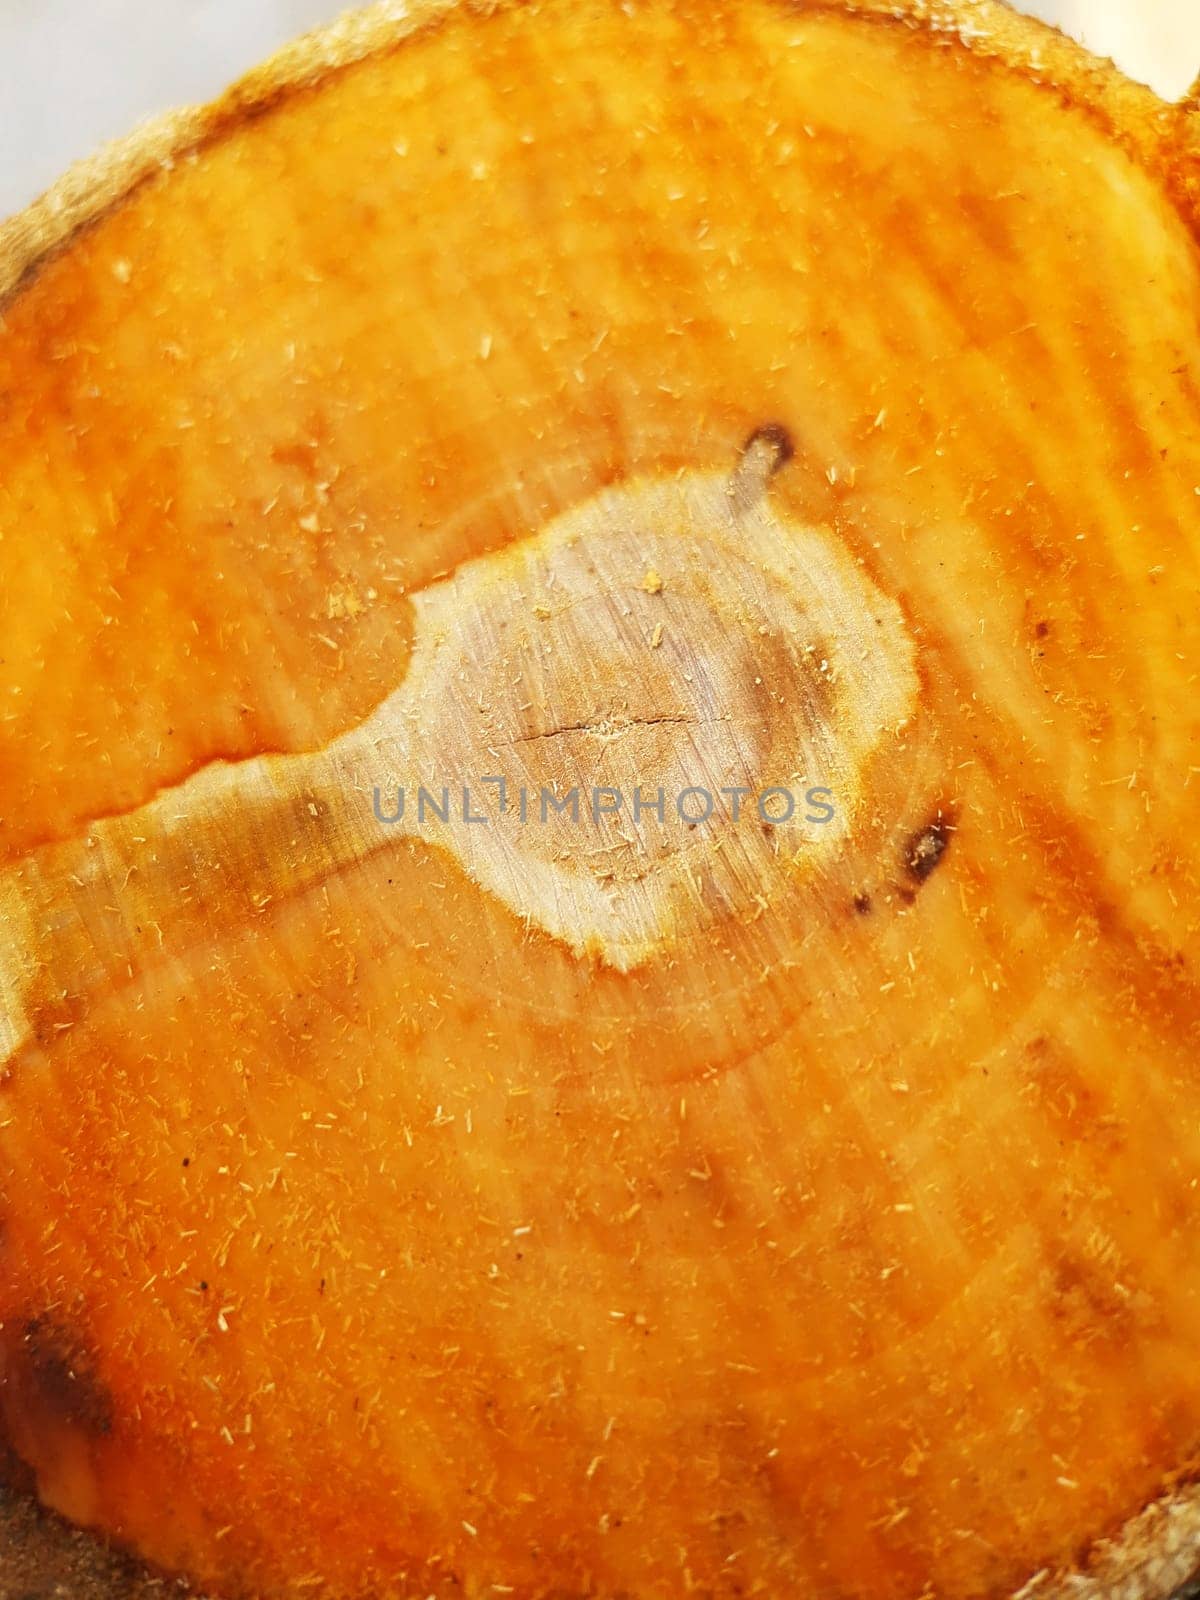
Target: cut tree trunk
{"x": 786, "y": 1184}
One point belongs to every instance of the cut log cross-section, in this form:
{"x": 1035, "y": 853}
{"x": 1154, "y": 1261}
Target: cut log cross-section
{"x": 565, "y": 673}
{"x": 599, "y": 963}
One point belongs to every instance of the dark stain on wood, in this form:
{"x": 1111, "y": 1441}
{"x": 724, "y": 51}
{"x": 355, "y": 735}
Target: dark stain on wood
{"x": 51, "y": 1377}
{"x": 777, "y": 438}
{"x": 925, "y": 848}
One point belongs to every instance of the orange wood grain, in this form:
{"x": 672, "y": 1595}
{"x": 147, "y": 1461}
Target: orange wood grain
{"x": 367, "y": 1239}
